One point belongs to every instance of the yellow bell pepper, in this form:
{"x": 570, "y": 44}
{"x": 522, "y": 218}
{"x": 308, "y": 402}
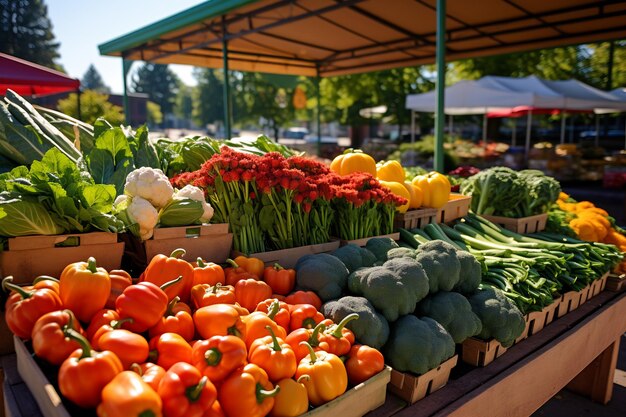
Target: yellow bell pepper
{"x": 292, "y": 399}
{"x": 416, "y": 195}
{"x": 390, "y": 171}
{"x": 353, "y": 160}
{"x": 398, "y": 188}
{"x": 328, "y": 378}
{"x": 435, "y": 188}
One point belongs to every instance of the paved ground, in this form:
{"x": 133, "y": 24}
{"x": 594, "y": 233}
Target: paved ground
{"x": 568, "y": 404}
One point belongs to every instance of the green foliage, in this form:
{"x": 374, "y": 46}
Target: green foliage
{"x": 155, "y": 116}
{"x": 92, "y": 80}
{"x": 183, "y": 106}
{"x": 418, "y": 345}
{"x": 371, "y": 328}
{"x": 393, "y": 288}
{"x": 208, "y": 96}
{"x": 453, "y": 312}
{"x": 93, "y": 105}
{"x": 159, "y": 82}
{"x": 422, "y": 152}
{"x": 26, "y": 32}
{"x": 322, "y": 273}
{"x": 501, "y": 319}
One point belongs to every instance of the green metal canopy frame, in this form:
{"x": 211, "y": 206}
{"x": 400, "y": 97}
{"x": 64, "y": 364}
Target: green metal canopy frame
{"x": 323, "y": 38}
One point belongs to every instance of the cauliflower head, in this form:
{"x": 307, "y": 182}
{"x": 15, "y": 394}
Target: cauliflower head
{"x": 194, "y": 193}
{"x": 150, "y": 184}
{"x": 145, "y": 215}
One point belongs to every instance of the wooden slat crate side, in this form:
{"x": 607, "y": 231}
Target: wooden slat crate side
{"x": 455, "y": 208}
{"x": 523, "y": 225}
{"x": 481, "y": 353}
{"x": 288, "y": 258}
{"x": 415, "y": 219}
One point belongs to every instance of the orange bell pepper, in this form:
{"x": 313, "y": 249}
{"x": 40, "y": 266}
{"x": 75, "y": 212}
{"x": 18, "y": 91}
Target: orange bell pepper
{"x": 206, "y": 294}
{"x": 305, "y": 315}
{"x": 127, "y": 395}
{"x": 256, "y": 325}
{"x": 86, "y": 372}
{"x": 106, "y": 328}
{"x": 162, "y": 269}
{"x": 322, "y": 368}
{"x": 255, "y": 266}
{"x": 236, "y": 272}
{"x": 120, "y": 279}
{"x": 185, "y": 392}
{"x": 101, "y": 318}
{"x": 247, "y": 392}
{"x": 304, "y": 297}
{"x": 218, "y": 356}
{"x": 292, "y": 400}
{"x": 145, "y": 303}
{"x": 336, "y": 338}
{"x": 363, "y": 363}
{"x": 353, "y": 160}
{"x": 45, "y": 281}
{"x": 274, "y": 356}
{"x": 214, "y": 411}
{"x": 250, "y": 292}
{"x": 280, "y": 279}
{"x": 83, "y": 281}
{"x": 219, "y": 320}
{"x": 49, "y": 341}
{"x": 168, "y": 349}
{"x": 311, "y": 336}
{"x": 176, "y": 319}
{"x": 207, "y": 273}
{"x": 282, "y": 316}
{"x": 128, "y": 346}
{"x": 24, "y": 307}
{"x": 151, "y": 373}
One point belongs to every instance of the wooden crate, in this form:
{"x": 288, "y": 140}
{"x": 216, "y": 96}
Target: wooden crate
{"x": 598, "y": 285}
{"x": 537, "y": 320}
{"x": 585, "y": 294}
{"x": 211, "y": 242}
{"x": 571, "y": 300}
{"x": 413, "y": 388}
{"x": 478, "y": 352}
{"x": 363, "y": 242}
{"x": 287, "y": 258}
{"x": 358, "y": 400}
{"x": 616, "y": 283}
{"x": 27, "y": 257}
{"x": 551, "y": 311}
{"x": 457, "y": 207}
{"x": 415, "y": 219}
{"x": 523, "y": 225}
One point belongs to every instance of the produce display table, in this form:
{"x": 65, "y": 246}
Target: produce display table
{"x": 579, "y": 350}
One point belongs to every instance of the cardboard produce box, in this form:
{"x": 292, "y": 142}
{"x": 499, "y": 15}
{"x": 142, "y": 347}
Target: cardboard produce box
{"x": 27, "y": 257}
{"x": 413, "y": 388}
{"x": 287, "y": 258}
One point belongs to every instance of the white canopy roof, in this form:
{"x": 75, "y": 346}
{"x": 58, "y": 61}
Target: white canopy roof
{"x": 493, "y": 93}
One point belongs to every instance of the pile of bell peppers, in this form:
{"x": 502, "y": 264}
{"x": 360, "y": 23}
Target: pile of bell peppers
{"x": 188, "y": 339}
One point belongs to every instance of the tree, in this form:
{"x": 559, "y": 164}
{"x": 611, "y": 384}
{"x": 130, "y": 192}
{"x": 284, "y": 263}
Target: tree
{"x": 26, "y": 32}
{"x": 155, "y": 117}
{"x": 159, "y": 82}
{"x": 183, "y": 106}
{"x": 93, "y": 81}
{"x": 92, "y": 106}
{"x": 208, "y": 96}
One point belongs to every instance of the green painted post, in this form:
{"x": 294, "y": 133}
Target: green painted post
{"x": 318, "y": 114}
{"x": 441, "y": 84}
{"x": 227, "y": 106}
{"x": 126, "y": 64}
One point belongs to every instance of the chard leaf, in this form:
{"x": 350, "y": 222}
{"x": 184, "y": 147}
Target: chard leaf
{"x": 23, "y": 218}
{"x": 183, "y": 212}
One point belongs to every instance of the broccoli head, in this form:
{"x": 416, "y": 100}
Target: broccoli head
{"x": 471, "y": 273}
{"x": 354, "y": 257}
{"x": 379, "y": 246}
{"x": 401, "y": 253}
{"x": 495, "y": 191}
{"x": 441, "y": 264}
{"x": 543, "y": 191}
{"x": 370, "y": 329}
{"x": 501, "y": 319}
{"x": 393, "y": 288}
{"x": 418, "y": 345}
{"x": 322, "y": 273}
{"x": 453, "y": 312}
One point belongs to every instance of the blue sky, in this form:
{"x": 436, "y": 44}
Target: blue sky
{"x": 80, "y": 26}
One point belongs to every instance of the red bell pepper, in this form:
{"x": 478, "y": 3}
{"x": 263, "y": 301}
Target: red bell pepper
{"x": 236, "y": 273}
{"x": 49, "y": 340}
{"x": 101, "y": 318}
{"x": 218, "y": 356}
{"x": 175, "y": 320}
{"x": 304, "y": 315}
{"x": 311, "y": 336}
{"x": 168, "y": 349}
{"x": 363, "y": 363}
{"x": 128, "y": 346}
{"x": 282, "y": 316}
{"x": 162, "y": 269}
{"x": 280, "y": 279}
{"x": 185, "y": 392}
{"x": 336, "y": 338}
{"x": 151, "y": 373}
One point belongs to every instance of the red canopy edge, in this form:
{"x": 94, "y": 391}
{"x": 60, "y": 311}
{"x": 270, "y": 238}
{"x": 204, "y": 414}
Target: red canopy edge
{"x": 27, "y": 78}
{"x": 520, "y": 111}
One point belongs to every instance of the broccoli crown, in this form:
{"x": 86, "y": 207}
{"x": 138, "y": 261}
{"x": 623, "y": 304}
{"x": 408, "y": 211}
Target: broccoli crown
{"x": 442, "y": 266}
{"x": 322, "y": 273}
{"x": 453, "y": 312}
{"x": 418, "y": 345}
{"x": 471, "y": 273}
{"x": 379, "y": 246}
{"x": 354, "y": 257}
{"x": 371, "y": 328}
{"x": 494, "y": 191}
{"x": 543, "y": 191}
{"x": 393, "y": 288}
{"x": 401, "y": 253}
{"x": 501, "y": 319}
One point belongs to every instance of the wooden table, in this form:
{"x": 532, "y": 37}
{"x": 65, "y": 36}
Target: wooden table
{"x": 578, "y": 350}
